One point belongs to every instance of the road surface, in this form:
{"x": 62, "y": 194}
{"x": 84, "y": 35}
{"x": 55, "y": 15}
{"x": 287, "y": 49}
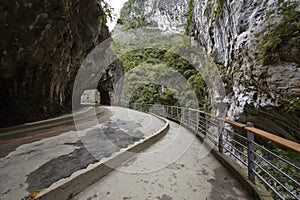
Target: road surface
{"x": 180, "y": 168}
{"x": 36, "y": 163}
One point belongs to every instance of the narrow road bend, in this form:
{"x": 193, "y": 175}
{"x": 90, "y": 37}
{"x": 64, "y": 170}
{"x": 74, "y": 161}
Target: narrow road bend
{"x": 35, "y": 165}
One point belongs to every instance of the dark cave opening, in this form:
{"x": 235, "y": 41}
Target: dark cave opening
{"x": 105, "y": 98}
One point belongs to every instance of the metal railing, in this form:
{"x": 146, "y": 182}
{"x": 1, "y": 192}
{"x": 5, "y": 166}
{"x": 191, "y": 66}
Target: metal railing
{"x": 278, "y": 169}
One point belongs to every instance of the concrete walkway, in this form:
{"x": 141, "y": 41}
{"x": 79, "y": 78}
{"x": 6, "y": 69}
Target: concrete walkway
{"x": 37, "y": 165}
{"x": 176, "y": 167}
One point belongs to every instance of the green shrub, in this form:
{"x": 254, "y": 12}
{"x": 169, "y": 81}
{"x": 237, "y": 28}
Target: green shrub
{"x": 120, "y": 21}
{"x": 151, "y": 93}
{"x": 292, "y": 104}
{"x": 287, "y": 30}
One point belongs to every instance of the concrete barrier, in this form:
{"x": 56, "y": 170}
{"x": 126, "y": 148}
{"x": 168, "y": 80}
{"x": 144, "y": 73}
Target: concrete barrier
{"x": 80, "y": 180}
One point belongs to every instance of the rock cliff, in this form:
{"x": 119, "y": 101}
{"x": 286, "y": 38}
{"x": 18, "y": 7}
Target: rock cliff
{"x": 255, "y": 43}
{"x": 43, "y": 44}
{"x": 258, "y": 44}
{"x": 167, "y": 15}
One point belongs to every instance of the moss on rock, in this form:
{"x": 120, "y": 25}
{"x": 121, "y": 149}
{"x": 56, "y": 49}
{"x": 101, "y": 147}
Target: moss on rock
{"x": 284, "y": 34}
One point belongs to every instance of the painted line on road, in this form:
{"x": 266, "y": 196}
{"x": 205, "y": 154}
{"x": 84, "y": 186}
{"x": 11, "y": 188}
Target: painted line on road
{"x": 67, "y": 128}
{"x": 37, "y": 135}
{"x": 26, "y": 125}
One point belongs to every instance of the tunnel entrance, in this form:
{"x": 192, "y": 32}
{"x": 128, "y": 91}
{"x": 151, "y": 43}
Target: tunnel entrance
{"x": 105, "y": 98}
{"x": 90, "y": 97}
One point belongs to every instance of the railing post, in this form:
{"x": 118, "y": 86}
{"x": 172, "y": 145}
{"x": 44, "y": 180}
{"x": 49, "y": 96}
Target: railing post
{"x": 182, "y": 115}
{"x": 197, "y": 121}
{"x": 250, "y": 153}
{"x": 166, "y": 109}
{"x": 189, "y": 117}
{"x": 206, "y": 125}
{"x": 220, "y": 133}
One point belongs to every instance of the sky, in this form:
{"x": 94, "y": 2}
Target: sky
{"x": 117, "y": 5}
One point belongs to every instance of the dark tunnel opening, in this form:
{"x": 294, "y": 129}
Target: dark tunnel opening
{"x": 105, "y": 98}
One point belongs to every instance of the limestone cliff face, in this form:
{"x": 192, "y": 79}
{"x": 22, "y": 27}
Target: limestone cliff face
{"x": 43, "y": 44}
{"x": 232, "y": 32}
{"x": 167, "y": 15}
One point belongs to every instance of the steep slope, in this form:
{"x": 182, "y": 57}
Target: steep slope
{"x": 43, "y": 44}
{"x": 258, "y": 43}
{"x": 167, "y": 15}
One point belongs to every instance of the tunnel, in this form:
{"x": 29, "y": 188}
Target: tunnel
{"x": 105, "y": 98}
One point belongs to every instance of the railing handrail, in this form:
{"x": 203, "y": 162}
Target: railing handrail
{"x": 265, "y": 134}
{"x": 274, "y": 138}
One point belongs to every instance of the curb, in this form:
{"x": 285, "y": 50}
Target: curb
{"x": 69, "y": 187}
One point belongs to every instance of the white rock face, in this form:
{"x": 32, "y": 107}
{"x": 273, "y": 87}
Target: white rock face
{"x": 231, "y": 34}
{"x": 167, "y": 15}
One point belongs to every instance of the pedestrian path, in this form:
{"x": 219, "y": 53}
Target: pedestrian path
{"x": 176, "y": 167}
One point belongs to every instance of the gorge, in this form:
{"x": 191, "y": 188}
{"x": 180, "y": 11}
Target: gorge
{"x": 261, "y": 78}
{"x": 256, "y": 45}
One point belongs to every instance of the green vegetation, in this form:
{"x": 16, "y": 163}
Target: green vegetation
{"x": 283, "y": 166}
{"x": 208, "y": 7}
{"x": 164, "y": 53}
{"x": 158, "y": 60}
{"x": 135, "y": 58}
{"x": 287, "y": 30}
{"x": 138, "y": 60}
{"x": 198, "y": 84}
{"x": 292, "y": 105}
{"x": 189, "y": 18}
{"x": 289, "y": 155}
{"x": 127, "y": 8}
{"x": 106, "y": 8}
{"x": 132, "y": 21}
{"x": 149, "y": 94}
{"x": 120, "y": 21}
{"x": 219, "y": 7}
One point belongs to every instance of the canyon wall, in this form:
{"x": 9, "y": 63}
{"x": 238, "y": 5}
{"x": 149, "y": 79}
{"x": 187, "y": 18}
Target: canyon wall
{"x": 43, "y": 44}
{"x": 257, "y": 43}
